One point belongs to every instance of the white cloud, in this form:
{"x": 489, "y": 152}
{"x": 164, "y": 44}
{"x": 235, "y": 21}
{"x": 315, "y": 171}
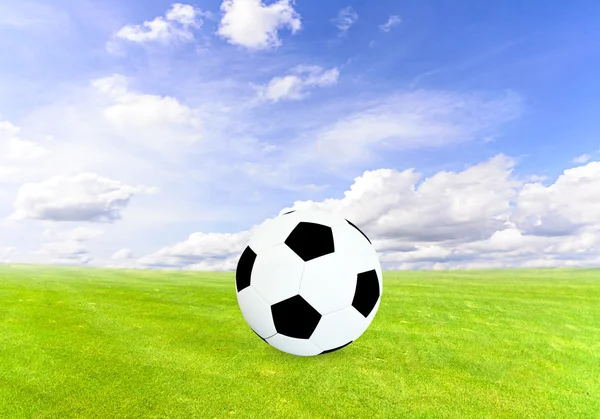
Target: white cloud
{"x": 123, "y": 254}
{"x": 228, "y": 264}
{"x": 84, "y": 197}
{"x": 373, "y": 129}
{"x": 295, "y": 86}
{"x": 414, "y": 120}
{"x": 475, "y": 218}
{"x": 85, "y": 140}
{"x": 68, "y": 252}
{"x": 504, "y": 249}
{"x": 201, "y": 250}
{"x": 177, "y": 24}
{"x": 108, "y": 127}
{"x": 254, "y": 25}
{"x": 184, "y": 14}
{"x": 571, "y": 203}
{"x": 480, "y": 217}
{"x": 584, "y": 158}
{"x": 345, "y": 19}
{"x": 14, "y": 148}
{"x": 156, "y": 121}
{"x": 392, "y": 21}
{"x": 448, "y": 206}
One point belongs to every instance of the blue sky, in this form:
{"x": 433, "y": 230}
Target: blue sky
{"x": 164, "y": 145}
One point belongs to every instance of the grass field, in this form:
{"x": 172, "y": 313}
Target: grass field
{"x": 95, "y": 343}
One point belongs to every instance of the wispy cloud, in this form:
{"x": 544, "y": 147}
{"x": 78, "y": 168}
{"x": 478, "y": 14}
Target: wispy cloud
{"x": 393, "y": 20}
{"x": 345, "y": 19}
{"x": 414, "y": 120}
{"x": 297, "y": 84}
{"x": 584, "y": 158}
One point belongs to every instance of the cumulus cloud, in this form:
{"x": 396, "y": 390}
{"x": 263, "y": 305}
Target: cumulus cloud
{"x": 571, "y": 203}
{"x": 345, "y": 19}
{"x": 84, "y": 197}
{"x": 298, "y": 83}
{"x": 14, "y": 148}
{"x": 201, "y": 250}
{"x": 485, "y": 217}
{"x": 177, "y": 24}
{"x": 448, "y": 206}
{"x": 254, "y": 25}
{"x": 155, "y": 121}
{"x": 392, "y": 21}
{"x": 480, "y": 217}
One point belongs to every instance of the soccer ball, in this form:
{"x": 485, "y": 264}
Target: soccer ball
{"x": 309, "y": 282}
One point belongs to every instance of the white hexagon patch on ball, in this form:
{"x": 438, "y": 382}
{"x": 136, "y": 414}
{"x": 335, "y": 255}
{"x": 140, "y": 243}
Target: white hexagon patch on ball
{"x": 309, "y": 282}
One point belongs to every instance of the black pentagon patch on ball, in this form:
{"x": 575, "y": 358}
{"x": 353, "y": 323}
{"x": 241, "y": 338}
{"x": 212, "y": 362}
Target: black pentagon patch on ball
{"x": 360, "y": 231}
{"x": 335, "y": 349}
{"x": 295, "y": 318}
{"x": 311, "y": 240}
{"x": 289, "y": 212}
{"x": 244, "y": 269}
{"x": 367, "y": 292}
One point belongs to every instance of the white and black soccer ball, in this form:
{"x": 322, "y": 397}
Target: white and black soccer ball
{"x": 309, "y": 282}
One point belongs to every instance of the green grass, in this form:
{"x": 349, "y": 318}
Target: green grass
{"x": 95, "y": 343}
